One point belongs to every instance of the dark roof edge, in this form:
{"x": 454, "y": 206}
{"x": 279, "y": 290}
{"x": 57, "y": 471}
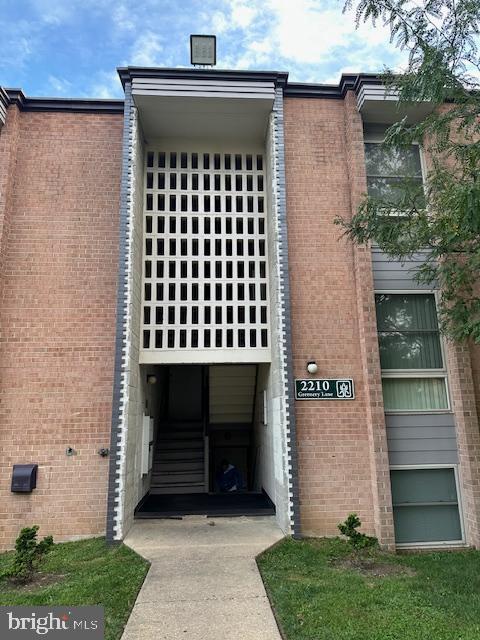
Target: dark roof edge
{"x": 72, "y": 105}
{"x": 279, "y": 78}
{"x": 348, "y": 82}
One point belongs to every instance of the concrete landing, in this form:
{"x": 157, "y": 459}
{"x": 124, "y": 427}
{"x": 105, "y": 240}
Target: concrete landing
{"x": 203, "y": 581}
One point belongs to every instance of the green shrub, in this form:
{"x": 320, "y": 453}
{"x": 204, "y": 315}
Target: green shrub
{"x": 28, "y": 554}
{"x": 357, "y": 540}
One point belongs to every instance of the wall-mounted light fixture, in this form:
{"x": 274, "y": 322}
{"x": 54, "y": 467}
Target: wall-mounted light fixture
{"x": 312, "y": 367}
{"x": 151, "y": 379}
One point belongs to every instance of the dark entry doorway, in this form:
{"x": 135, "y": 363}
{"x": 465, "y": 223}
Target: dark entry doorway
{"x": 207, "y": 417}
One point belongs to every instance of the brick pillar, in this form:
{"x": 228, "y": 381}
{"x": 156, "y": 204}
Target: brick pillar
{"x": 462, "y": 392}
{"x": 8, "y": 158}
{"x": 377, "y": 435}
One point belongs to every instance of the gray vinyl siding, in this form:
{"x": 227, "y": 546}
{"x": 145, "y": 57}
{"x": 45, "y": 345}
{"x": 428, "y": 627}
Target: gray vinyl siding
{"x": 413, "y": 438}
{"x": 421, "y": 439}
{"x": 392, "y": 275}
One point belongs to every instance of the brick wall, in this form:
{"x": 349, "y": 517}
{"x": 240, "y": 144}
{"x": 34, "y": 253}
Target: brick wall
{"x": 462, "y": 361}
{"x": 8, "y": 155}
{"x": 475, "y": 359}
{"x": 334, "y": 438}
{"x": 365, "y": 299}
{"x": 57, "y": 317}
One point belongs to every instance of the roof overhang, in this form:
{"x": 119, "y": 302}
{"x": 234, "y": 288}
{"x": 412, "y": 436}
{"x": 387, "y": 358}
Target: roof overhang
{"x": 380, "y": 105}
{"x": 203, "y": 104}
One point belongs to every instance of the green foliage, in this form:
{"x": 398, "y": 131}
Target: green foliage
{"x": 357, "y": 540}
{"x": 28, "y": 554}
{"x": 443, "y": 68}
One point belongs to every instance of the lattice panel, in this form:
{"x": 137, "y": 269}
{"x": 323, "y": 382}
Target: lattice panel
{"x": 205, "y": 280}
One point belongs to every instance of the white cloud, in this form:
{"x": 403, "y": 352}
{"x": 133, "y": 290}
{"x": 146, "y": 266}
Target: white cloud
{"x": 238, "y": 14}
{"x": 305, "y": 34}
{"x": 53, "y": 12}
{"x": 123, "y": 18}
{"x": 291, "y": 34}
{"x": 243, "y": 13}
{"x": 218, "y": 23}
{"x": 311, "y": 39}
{"x": 60, "y": 86}
{"x": 106, "y": 85}
{"x": 146, "y": 50}
{"x": 17, "y": 49}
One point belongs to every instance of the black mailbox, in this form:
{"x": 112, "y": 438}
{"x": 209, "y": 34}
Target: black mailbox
{"x": 24, "y": 478}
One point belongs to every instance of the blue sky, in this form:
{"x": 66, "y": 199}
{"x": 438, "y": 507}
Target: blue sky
{"x": 73, "y": 47}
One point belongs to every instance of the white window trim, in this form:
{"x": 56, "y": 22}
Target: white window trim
{"x": 379, "y": 139}
{"x": 443, "y": 543}
{"x": 419, "y": 373}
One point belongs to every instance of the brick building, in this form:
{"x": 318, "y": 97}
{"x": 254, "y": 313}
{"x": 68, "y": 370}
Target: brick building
{"x": 169, "y": 265}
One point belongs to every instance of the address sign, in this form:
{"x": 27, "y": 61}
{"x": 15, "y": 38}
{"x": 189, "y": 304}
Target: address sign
{"x": 324, "y": 389}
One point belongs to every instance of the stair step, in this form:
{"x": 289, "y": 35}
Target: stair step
{"x": 174, "y": 465}
{"x": 197, "y": 488}
{"x": 178, "y": 454}
{"x": 173, "y": 435}
{"x": 180, "y": 426}
{"x": 175, "y": 485}
{"x": 179, "y": 483}
{"x": 195, "y": 443}
{"x": 174, "y": 477}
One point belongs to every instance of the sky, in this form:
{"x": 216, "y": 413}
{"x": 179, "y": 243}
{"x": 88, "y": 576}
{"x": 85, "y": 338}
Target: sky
{"x": 72, "y": 48}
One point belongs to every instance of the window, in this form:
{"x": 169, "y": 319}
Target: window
{"x": 425, "y": 505}
{"x": 394, "y": 175}
{"x": 413, "y": 369}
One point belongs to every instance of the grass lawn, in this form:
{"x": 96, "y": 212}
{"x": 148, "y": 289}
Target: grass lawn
{"x": 318, "y": 595}
{"x": 90, "y": 573}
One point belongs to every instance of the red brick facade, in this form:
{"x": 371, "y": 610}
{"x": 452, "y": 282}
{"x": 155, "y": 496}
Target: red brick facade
{"x": 462, "y": 389}
{"x": 59, "y": 207}
{"x": 59, "y": 257}
{"x": 332, "y": 307}
{"x": 342, "y": 447}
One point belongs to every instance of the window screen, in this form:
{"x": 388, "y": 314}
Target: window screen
{"x": 425, "y": 506}
{"x": 394, "y": 175}
{"x": 408, "y": 331}
{"x": 409, "y": 340}
{"x": 410, "y": 394}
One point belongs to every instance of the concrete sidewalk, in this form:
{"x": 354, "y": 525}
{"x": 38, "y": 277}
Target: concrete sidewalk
{"x": 203, "y": 582}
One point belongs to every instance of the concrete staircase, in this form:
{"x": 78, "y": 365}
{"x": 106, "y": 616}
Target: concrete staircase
{"x": 179, "y": 461}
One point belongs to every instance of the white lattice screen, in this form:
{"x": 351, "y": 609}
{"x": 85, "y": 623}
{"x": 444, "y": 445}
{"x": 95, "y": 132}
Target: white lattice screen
{"x": 205, "y": 266}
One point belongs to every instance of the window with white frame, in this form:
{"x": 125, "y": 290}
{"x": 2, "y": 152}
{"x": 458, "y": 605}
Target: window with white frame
{"x": 425, "y": 505}
{"x": 411, "y": 354}
{"x": 394, "y": 175}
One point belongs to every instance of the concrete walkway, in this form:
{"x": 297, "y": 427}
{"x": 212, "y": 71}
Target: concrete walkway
{"x": 203, "y": 582}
